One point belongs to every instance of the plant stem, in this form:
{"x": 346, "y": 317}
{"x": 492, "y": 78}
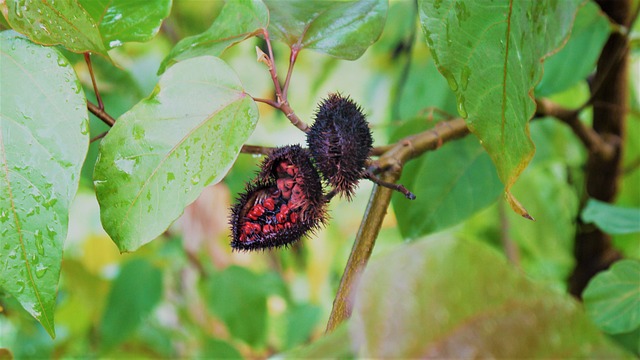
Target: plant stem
{"x": 281, "y": 103}
{"x": 87, "y": 59}
{"x": 589, "y": 137}
{"x": 390, "y": 164}
{"x": 100, "y": 113}
{"x": 362, "y": 248}
{"x": 256, "y": 150}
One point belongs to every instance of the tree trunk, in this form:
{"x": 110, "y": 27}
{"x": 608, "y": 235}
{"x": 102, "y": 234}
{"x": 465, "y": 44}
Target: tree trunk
{"x": 593, "y": 251}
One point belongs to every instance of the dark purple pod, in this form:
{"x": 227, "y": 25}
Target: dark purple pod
{"x": 340, "y": 142}
{"x": 283, "y": 204}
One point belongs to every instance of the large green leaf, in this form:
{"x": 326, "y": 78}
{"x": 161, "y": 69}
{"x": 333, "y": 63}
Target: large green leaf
{"x": 166, "y": 149}
{"x": 612, "y": 298}
{"x": 445, "y": 195}
{"x": 120, "y": 21}
{"x": 43, "y": 142}
{"x": 610, "y": 218}
{"x": 237, "y": 21}
{"x": 490, "y": 53}
{"x": 135, "y": 293}
{"x": 578, "y": 57}
{"x": 343, "y": 29}
{"x": 239, "y": 298}
{"x": 447, "y": 298}
{"x": 64, "y": 22}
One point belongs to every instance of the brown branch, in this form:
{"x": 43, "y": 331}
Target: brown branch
{"x": 256, "y": 150}
{"x": 390, "y": 166}
{"x": 87, "y": 59}
{"x": 100, "y": 113}
{"x": 593, "y": 250}
{"x": 98, "y": 137}
{"x": 589, "y": 137}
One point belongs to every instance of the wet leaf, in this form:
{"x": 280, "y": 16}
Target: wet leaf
{"x": 43, "y": 142}
{"x": 445, "y": 195}
{"x": 405, "y": 307}
{"x": 161, "y": 154}
{"x": 134, "y": 294}
{"x": 610, "y": 218}
{"x": 64, "y": 23}
{"x": 578, "y": 57}
{"x": 612, "y": 298}
{"x": 343, "y": 29}
{"x": 490, "y": 53}
{"x": 120, "y": 21}
{"x": 237, "y": 21}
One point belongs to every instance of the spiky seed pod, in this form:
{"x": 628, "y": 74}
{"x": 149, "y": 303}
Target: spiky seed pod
{"x": 281, "y": 205}
{"x": 340, "y": 142}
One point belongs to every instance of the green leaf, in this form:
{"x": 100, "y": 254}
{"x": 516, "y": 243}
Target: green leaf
{"x": 335, "y": 345}
{"x": 237, "y": 296}
{"x": 120, "y": 21}
{"x": 490, "y": 53}
{"x": 161, "y": 154}
{"x": 237, "y": 21}
{"x": 43, "y": 142}
{"x": 429, "y": 298}
{"x": 343, "y": 29}
{"x": 301, "y": 320}
{"x": 578, "y": 57}
{"x": 219, "y": 349}
{"x": 610, "y": 218}
{"x": 135, "y": 293}
{"x": 612, "y": 298}
{"x": 445, "y": 195}
{"x": 65, "y": 23}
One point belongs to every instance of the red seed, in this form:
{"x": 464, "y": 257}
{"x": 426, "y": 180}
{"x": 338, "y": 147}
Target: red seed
{"x": 267, "y": 229}
{"x": 294, "y": 217}
{"x": 288, "y": 225}
{"x": 292, "y": 170}
{"x": 281, "y": 218}
{"x": 279, "y": 227}
{"x": 258, "y": 210}
{"x": 284, "y": 209}
{"x": 286, "y": 194}
{"x": 269, "y": 204}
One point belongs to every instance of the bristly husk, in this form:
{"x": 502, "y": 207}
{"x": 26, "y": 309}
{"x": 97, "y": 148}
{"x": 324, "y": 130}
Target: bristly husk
{"x": 340, "y": 142}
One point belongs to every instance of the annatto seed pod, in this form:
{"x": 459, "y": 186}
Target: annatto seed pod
{"x": 340, "y": 142}
{"x": 281, "y": 205}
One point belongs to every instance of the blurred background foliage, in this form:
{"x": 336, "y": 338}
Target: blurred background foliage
{"x": 187, "y": 295}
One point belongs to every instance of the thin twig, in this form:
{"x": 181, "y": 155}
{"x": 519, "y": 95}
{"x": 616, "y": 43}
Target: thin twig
{"x": 396, "y": 187}
{"x": 98, "y": 137}
{"x": 256, "y": 150}
{"x": 87, "y": 59}
{"x": 267, "y": 101}
{"x": 292, "y": 60}
{"x": 589, "y": 137}
{"x": 272, "y": 64}
{"x": 281, "y": 103}
{"x": 100, "y": 113}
